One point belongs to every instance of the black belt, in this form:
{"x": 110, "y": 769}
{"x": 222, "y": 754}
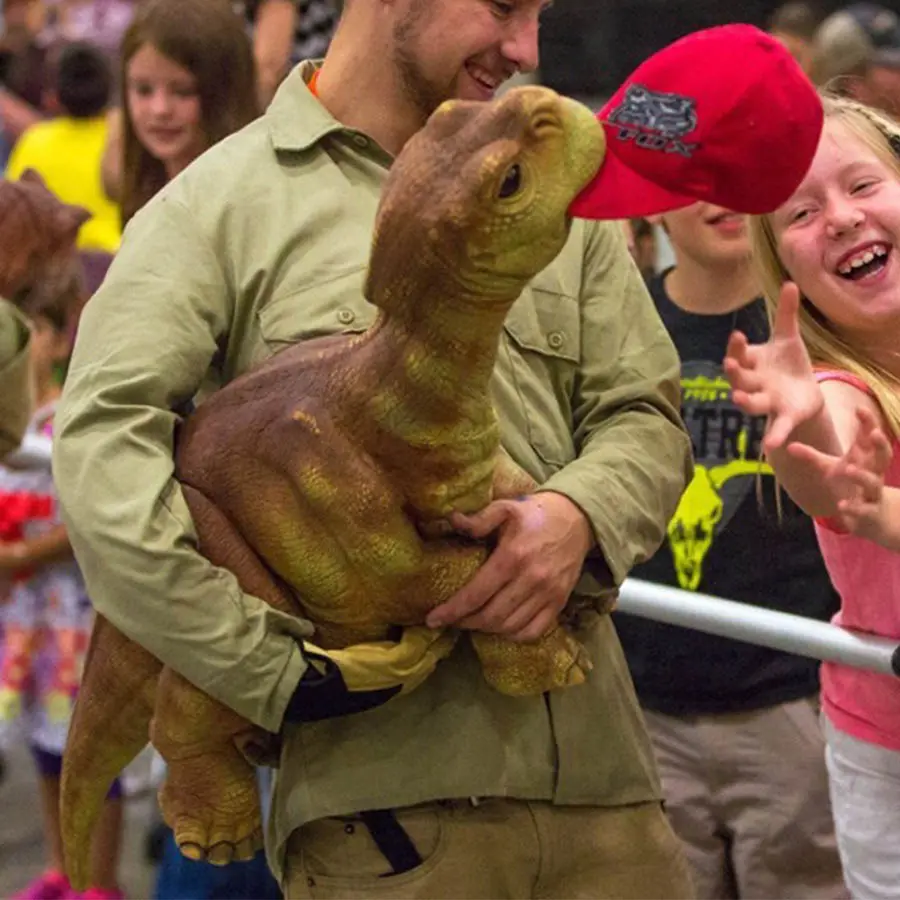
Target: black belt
{"x": 391, "y": 839}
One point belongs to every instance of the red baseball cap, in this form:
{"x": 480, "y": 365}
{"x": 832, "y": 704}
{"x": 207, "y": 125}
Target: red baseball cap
{"x": 723, "y": 115}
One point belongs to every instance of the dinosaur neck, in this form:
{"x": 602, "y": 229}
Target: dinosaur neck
{"x": 437, "y": 362}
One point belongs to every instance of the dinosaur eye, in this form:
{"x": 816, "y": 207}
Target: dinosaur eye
{"x": 512, "y": 182}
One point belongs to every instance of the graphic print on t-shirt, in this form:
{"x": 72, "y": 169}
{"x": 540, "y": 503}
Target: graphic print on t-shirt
{"x": 727, "y": 460}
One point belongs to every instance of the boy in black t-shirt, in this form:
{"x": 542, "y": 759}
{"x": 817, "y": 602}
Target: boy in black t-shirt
{"x": 734, "y": 725}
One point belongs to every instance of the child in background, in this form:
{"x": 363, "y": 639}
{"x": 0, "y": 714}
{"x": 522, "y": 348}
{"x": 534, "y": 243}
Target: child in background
{"x": 66, "y": 151}
{"x": 46, "y": 616}
{"x": 828, "y": 382}
{"x": 188, "y": 81}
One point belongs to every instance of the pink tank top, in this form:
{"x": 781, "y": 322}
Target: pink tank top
{"x": 863, "y": 704}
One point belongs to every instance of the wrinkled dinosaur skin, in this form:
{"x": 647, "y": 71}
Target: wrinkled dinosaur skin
{"x": 346, "y": 454}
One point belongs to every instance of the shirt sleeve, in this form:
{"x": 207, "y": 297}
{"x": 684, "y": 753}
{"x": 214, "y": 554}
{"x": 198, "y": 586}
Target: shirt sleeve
{"x": 145, "y": 342}
{"x": 634, "y": 453}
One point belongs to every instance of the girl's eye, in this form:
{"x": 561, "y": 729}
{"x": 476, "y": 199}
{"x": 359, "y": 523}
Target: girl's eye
{"x": 798, "y": 215}
{"x": 502, "y": 9}
{"x": 863, "y": 185}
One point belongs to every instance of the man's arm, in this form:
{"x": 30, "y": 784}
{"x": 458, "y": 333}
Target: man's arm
{"x": 15, "y": 385}
{"x": 144, "y": 344}
{"x": 634, "y": 453}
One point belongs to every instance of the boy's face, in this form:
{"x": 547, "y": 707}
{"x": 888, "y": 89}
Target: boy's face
{"x": 709, "y": 236}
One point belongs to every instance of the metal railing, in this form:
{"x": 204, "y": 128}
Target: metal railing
{"x": 755, "y": 625}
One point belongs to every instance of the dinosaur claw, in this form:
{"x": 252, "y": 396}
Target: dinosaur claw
{"x": 192, "y": 851}
{"x": 221, "y": 854}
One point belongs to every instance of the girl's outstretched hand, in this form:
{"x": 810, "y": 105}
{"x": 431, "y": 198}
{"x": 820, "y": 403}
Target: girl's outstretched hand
{"x": 775, "y": 379}
{"x": 856, "y": 478}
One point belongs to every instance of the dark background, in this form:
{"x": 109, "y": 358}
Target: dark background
{"x": 589, "y": 47}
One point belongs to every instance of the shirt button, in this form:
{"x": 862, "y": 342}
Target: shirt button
{"x": 556, "y": 339}
{"x": 345, "y": 316}
{"x": 360, "y": 141}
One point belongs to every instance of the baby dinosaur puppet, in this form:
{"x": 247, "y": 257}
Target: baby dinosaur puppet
{"x": 330, "y": 500}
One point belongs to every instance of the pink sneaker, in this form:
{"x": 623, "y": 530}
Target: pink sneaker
{"x": 52, "y": 885}
{"x": 95, "y": 893}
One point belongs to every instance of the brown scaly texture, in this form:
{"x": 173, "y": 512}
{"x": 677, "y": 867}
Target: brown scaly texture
{"x": 37, "y": 239}
{"x": 345, "y": 455}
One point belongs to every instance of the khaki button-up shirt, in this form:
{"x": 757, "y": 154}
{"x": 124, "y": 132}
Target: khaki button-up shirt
{"x": 262, "y": 242}
{"x": 15, "y": 385}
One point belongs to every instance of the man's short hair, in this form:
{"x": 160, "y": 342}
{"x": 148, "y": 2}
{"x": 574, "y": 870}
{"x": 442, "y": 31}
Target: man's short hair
{"x": 851, "y": 40}
{"x": 83, "y": 80}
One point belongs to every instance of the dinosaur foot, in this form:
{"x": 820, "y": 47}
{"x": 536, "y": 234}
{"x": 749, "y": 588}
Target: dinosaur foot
{"x": 214, "y": 815}
{"x": 557, "y": 660}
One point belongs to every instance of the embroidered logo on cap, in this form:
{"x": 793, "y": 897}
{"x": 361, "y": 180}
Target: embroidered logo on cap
{"x": 654, "y": 120}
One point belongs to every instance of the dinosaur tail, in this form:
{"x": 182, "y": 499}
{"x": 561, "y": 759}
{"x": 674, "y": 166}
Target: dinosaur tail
{"x": 110, "y": 726}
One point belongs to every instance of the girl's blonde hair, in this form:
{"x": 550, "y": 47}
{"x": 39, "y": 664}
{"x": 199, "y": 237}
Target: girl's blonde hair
{"x": 207, "y": 38}
{"x": 826, "y": 347}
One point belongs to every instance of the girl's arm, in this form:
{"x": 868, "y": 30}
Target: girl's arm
{"x": 49, "y": 547}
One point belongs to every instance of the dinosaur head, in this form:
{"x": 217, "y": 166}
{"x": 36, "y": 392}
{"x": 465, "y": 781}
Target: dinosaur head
{"x": 476, "y": 203}
{"x": 37, "y": 235}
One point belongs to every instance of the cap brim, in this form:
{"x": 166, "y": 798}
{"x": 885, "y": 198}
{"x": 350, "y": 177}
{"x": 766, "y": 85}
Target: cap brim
{"x": 618, "y": 192}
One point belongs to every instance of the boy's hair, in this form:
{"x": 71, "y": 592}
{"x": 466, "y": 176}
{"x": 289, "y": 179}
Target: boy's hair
{"x": 797, "y": 19}
{"x": 827, "y": 349}
{"x": 83, "y": 80}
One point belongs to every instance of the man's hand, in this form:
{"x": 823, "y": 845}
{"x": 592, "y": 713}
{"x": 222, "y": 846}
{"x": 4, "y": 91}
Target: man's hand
{"x": 775, "y": 379}
{"x": 855, "y": 479}
{"x": 542, "y": 541}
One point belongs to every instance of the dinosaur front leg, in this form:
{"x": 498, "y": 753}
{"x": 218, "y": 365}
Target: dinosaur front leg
{"x": 510, "y": 479}
{"x": 557, "y": 659}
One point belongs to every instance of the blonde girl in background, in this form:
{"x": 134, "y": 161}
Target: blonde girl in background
{"x": 829, "y": 382}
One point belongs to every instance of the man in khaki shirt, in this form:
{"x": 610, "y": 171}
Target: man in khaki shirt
{"x": 453, "y": 789}
{"x": 15, "y": 386}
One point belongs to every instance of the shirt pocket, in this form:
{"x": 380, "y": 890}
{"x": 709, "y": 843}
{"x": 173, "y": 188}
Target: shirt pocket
{"x": 331, "y": 306}
{"x": 539, "y": 362}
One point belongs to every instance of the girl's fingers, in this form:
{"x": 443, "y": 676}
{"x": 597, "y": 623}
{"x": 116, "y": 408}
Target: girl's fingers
{"x": 787, "y": 316}
{"x": 756, "y": 404}
{"x": 779, "y": 431}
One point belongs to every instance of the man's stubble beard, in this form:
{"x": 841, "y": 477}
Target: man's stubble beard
{"x": 424, "y": 95}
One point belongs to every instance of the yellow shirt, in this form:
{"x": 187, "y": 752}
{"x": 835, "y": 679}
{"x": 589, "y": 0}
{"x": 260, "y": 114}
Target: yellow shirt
{"x": 66, "y": 153}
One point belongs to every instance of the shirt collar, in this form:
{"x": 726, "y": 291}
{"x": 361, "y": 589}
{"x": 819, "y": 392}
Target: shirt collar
{"x": 295, "y": 117}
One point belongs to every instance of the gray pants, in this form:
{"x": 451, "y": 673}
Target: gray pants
{"x": 747, "y": 793}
